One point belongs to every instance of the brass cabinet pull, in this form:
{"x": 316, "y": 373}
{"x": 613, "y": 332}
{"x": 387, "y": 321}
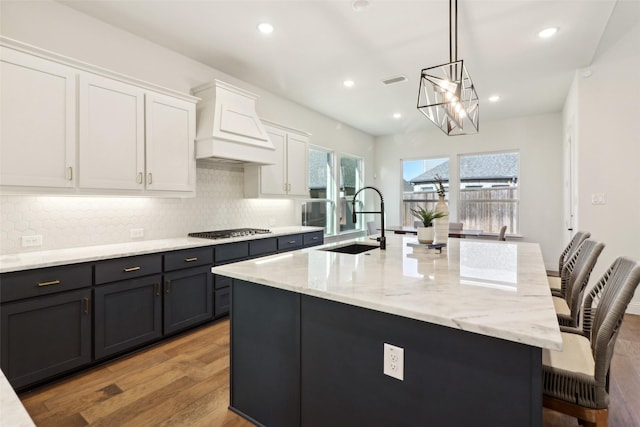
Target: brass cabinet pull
{"x": 140, "y": 177}
{"x": 150, "y": 178}
{"x": 86, "y": 305}
{"x": 158, "y": 289}
{"x": 190, "y": 259}
{"x": 130, "y": 269}
{"x": 53, "y": 282}
{"x": 70, "y": 174}
{"x": 315, "y": 238}
{"x": 291, "y": 242}
{"x": 168, "y": 286}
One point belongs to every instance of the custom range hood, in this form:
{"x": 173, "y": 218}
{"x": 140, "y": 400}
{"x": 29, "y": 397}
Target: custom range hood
{"x": 228, "y": 128}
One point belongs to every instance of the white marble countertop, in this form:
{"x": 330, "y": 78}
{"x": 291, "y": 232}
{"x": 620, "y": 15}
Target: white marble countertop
{"x": 491, "y": 288}
{"x": 12, "y": 412}
{"x": 41, "y": 259}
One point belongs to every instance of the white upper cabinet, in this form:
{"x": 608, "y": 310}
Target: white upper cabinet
{"x": 38, "y": 121}
{"x": 111, "y": 134}
{"x": 125, "y": 137}
{"x": 170, "y": 134}
{"x": 286, "y": 178}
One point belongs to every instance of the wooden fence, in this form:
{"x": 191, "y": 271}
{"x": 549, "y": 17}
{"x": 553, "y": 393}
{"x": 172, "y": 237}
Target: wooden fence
{"x": 485, "y": 209}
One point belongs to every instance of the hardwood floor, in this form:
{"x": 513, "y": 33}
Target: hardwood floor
{"x": 185, "y": 382}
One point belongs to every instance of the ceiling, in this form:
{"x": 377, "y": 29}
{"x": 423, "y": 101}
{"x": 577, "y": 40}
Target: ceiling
{"x": 317, "y": 44}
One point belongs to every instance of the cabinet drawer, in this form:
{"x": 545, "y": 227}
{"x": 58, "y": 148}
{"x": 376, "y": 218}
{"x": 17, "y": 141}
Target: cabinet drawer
{"x": 222, "y": 302}
{"x": 231, "y": 252}
{"x": 43, "y": 281}
{"x": 188, "y": 258}
{"x": 289, "y": 243}
{"x": 127, "y": 268}
{"x": 313, "y": 239}
{"x": 221, "y": 282}
{"x": 263, "y": 247}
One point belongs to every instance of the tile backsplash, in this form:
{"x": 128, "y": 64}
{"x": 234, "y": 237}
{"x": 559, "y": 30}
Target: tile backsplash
{"x": 66, "y": 222}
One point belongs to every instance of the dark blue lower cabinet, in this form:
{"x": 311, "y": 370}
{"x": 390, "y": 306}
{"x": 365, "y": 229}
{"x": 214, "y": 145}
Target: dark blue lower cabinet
{"x": 188, "y": 298}
{"x": 45, "y": 336}
{"x": 127, "y": 314}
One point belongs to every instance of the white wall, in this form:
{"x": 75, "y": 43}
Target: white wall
{"x": 538, "y": 139}
{"x": 55, "y": 27}
{"x": 607, "y": 110}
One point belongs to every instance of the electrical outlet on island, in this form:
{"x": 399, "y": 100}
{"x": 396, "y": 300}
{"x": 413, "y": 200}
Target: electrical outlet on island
{"x": 393, "y": 361}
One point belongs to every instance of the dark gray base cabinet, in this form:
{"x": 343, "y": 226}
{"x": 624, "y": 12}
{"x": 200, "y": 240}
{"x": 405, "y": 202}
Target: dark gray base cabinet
{"x": 188, "y": 298}
{"x": 127, "y": 314}
{"x": 45, "y": 336}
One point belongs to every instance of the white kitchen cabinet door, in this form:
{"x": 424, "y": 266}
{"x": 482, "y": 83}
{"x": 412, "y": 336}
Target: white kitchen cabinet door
{"x": 38, "y": 121}
{"x": 288, "y": 177}
{"x": 111, "y": 134}
{"x": 170, "y": 133}
{"x": 297, "y": 177}
{"x": 273, "y": 177}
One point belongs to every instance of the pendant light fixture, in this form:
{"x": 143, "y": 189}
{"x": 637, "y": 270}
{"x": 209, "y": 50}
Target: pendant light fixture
{"x": 447, "y": 95}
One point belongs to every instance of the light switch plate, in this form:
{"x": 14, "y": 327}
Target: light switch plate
{"x": 136, "y": 233}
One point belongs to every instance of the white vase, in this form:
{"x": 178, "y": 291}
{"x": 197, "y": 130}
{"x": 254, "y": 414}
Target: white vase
{"x": 425, "y": 235}
{"x": 441, "y": 225}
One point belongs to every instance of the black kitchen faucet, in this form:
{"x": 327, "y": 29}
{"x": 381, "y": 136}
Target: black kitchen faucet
{"x": 381, "y": 239}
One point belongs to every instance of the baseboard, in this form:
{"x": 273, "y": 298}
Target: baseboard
{"x": 634, "y": 307}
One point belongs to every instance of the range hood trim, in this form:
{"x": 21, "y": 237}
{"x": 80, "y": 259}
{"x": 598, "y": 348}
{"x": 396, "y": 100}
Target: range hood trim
{"x": 228, "y": 126}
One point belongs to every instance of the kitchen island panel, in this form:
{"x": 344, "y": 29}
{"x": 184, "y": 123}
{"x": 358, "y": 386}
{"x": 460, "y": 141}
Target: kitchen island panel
{"x": 451, "y": 377}
{"x": 265, "y": 354}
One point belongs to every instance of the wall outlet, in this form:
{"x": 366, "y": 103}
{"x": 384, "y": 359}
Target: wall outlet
{"x": 136, "y": 233}
{"x": 597, "y": 199}
{"x": 33, "y": 240}
{"x": 393, "y": 364}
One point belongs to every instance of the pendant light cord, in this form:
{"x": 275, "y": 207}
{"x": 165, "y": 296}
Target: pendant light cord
{"x": 453, "y": 30}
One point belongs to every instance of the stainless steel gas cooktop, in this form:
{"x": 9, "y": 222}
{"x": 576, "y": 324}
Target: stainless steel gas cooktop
{"x": 224, "y": 234}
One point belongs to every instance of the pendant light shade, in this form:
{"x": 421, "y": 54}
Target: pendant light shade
{"x": 447, "y": 95}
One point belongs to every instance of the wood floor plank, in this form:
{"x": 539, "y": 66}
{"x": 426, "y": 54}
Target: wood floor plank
{"x": 184, "y": 381}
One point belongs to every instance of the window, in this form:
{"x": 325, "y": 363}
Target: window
{"x": 331, "y": 191}
{"x": 418, "y": 178}
{"x": 489, "y": 195}
{"x": 319, "y": 211}
{"x": 350, "y": 181}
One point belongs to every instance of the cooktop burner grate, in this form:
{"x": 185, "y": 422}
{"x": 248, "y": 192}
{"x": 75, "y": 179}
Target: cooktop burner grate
{"x": 224, "y": 234}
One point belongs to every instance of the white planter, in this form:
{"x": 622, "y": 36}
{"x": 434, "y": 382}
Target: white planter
{"x": 425, "y": 234}
{"x": 441, "y": 225}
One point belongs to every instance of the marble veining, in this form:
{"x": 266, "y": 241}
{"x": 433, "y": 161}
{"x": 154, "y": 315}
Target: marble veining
{"x": 492, "y": 288}
{"x": 51, "y": 258}
{"x": 12, "y": 412}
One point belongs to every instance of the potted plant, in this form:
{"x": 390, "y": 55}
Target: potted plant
{"x": 425, "y": 233}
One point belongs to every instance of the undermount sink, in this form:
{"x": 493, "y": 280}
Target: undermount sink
{"x": 354, "y": 248}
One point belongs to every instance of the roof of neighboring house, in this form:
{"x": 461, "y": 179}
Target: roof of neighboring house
{"x": 482, "y": 167}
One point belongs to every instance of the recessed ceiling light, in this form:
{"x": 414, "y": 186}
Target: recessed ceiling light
{"x": 265, "y": 28}
{"x": 348, "y": 83}
{"x": 360, "y": 5}
{"x": 547, "y": 32}
{"x": 494, "y": 98}
{"x": 397, "y": 115}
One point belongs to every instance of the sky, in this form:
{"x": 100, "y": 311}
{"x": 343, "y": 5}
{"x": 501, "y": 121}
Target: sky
{"x": 413, "y": 168}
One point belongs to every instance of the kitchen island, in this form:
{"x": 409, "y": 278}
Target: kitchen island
{"x": 308, "y": 330}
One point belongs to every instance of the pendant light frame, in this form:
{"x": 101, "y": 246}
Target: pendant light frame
{"x": 447, "y": 95}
